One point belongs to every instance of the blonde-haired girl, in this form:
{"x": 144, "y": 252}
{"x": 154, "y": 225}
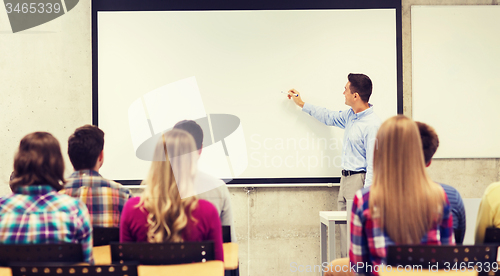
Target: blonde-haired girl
{"x": 160, "y": 214}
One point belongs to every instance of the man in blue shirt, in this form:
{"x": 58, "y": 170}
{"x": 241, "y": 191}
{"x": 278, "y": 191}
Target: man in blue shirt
{"x": 361, "y": 125}
{"x": 430, "y": 143}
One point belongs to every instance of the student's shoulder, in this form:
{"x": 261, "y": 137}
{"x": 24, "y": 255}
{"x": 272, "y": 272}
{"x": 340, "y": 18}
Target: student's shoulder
{"x": 450, "y": 190}
{"x": 205, "y": 208}
{"x": 493, "y": 188}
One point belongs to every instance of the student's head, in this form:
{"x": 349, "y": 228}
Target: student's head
{"x": 403, "y": 196}
{"x": 361, "y": 84}
{"x": 398, "y": 145}
{"x": 171, "y": 174}
{"x": 85, "y": 147}
{"x": 192, "y": 128}
{"x": 38, "y": 161}
{"x": 430, "y": 141}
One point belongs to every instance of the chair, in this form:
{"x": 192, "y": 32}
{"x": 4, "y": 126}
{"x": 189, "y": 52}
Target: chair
{"x": 226, "y": 233}
{"x": 458, "y": 233}
{"x": 162, "y": 253}
{"x": 208, "y": 268}
{"x": 441, "y": 255}
{"x": 105, "y": 235}
{"x": 75, "y": 270}
{"x": 40, "y": 253}
{"x": 492, "y": 235}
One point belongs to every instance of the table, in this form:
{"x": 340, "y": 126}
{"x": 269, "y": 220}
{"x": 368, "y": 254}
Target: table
{"x": 328, "y": 219}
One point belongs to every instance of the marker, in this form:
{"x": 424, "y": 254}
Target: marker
{"x": 296, "y": 95}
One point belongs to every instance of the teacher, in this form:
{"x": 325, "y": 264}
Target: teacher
{"x": 361, "y": 125}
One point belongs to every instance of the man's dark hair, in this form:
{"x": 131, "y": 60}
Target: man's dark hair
{"x": 192, "y": 128}
{"x": 38, "y": 161}
{"x": 84, "y": 147}
{"x": 362, "y": 85}
{"x": 430, "y": 140}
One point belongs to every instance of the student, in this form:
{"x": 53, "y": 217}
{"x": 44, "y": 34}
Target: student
{"x": 489, "y": 212}
{"x": 430, "y": 143}
{"x": 36, "y": 212}
{"x": 360, "y": 124}
{"x": 159, "y": 214}
{"x": 218, "y": 196}
{"x": 104, "y": 198}
{"x": 403, "y": 206}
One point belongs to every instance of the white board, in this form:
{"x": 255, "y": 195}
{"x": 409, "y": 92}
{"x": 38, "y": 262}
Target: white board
{"x": 455, "y": 77}
{"x": 241, "y": 61}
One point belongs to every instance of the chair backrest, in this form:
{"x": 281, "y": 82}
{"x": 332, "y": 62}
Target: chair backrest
{"x": 492, "y": 235}
{"x": 37, "y": 253}
{"x": 458, "y": 233}
{"x": 75, "y": 270}
{"x": 440, "y": 255}
{"x": 105, "y": 235}
{"x": 162, "y": 253}
{"x": 226, "y": 233}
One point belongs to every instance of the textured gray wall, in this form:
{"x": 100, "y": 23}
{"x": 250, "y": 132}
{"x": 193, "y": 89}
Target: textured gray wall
{"x": 45, "y": 84}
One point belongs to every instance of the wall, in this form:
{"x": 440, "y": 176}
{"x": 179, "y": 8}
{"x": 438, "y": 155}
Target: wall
{"x": 45, "y": 84}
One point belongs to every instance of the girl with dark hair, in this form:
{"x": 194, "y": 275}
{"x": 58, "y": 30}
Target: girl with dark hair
{"x": 35, "y": 212}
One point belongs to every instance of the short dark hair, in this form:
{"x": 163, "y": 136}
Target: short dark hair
{"x": 192, "y": 128}
{"x": 361, "y": 84}
{"x": 38, "y": 161}
{"x": 84, "y": 147}
{"x": 430, "y": 140}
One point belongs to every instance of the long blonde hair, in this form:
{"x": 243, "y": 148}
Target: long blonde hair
{"x": 174, "y": 168}
{"x": 403, "y": 198}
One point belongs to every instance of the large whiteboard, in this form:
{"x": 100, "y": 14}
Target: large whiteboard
{"x": 456, "y": 69}
{"x": 241, "y": 61}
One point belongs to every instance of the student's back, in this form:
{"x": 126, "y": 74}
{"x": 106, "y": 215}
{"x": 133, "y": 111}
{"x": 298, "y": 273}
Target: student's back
{"x": 163, "y": 213}
{"x": 104, "y": 198}
{"x": 403, "y": 206}
{"x": 36, "y": 212}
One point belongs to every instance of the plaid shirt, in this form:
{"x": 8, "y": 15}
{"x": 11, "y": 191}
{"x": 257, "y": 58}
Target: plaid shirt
{"x": 38, "y": 214}
{"x": 369, "y": 242}
{"x": 104, "y": 198}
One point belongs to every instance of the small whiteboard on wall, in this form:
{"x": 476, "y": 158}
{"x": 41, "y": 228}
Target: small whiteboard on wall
{"x": 456, "y": 77}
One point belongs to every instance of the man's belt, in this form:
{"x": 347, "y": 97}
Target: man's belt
{"x": 349, "y": 173}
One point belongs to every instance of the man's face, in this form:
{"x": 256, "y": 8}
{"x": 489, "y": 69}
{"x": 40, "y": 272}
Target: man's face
{"x": 349, "y": 97}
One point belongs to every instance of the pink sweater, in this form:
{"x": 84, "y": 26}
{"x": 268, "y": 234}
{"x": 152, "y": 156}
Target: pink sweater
{"x": 134, "y": 225}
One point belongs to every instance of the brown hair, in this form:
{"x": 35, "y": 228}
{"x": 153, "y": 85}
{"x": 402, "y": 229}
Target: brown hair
{"x": 38, "y": 161}
{"x": 430, "y": 140}
{"x": 192, "y": 128}
{"x": 403, "y": 198}
{"x": 84, "y": 147}
{"x": 360, "y": 84}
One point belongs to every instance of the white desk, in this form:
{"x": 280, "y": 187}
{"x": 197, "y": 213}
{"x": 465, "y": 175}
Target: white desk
{"x": 328, "y": 219}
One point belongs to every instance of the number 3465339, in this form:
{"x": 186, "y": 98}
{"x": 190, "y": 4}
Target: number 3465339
{"x": 33, "y": 8}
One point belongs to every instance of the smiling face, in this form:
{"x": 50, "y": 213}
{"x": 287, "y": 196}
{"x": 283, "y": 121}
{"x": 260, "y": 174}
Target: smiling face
{"x": 349, "y": 96}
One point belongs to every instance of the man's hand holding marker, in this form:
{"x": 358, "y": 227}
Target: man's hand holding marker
{"x": 295, "y": 95}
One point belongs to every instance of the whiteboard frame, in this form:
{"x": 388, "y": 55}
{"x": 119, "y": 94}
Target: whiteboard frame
{"x": 199, "y": 5}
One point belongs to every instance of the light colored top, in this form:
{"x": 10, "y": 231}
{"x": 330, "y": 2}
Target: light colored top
{"x": 359, "y": 136}
{"x": 219, "y": 197}
{"x": 488, "y": 214}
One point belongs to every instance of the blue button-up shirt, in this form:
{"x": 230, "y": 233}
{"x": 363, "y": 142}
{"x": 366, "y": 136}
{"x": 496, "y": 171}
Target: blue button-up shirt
{"x": 359, "y": 136}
